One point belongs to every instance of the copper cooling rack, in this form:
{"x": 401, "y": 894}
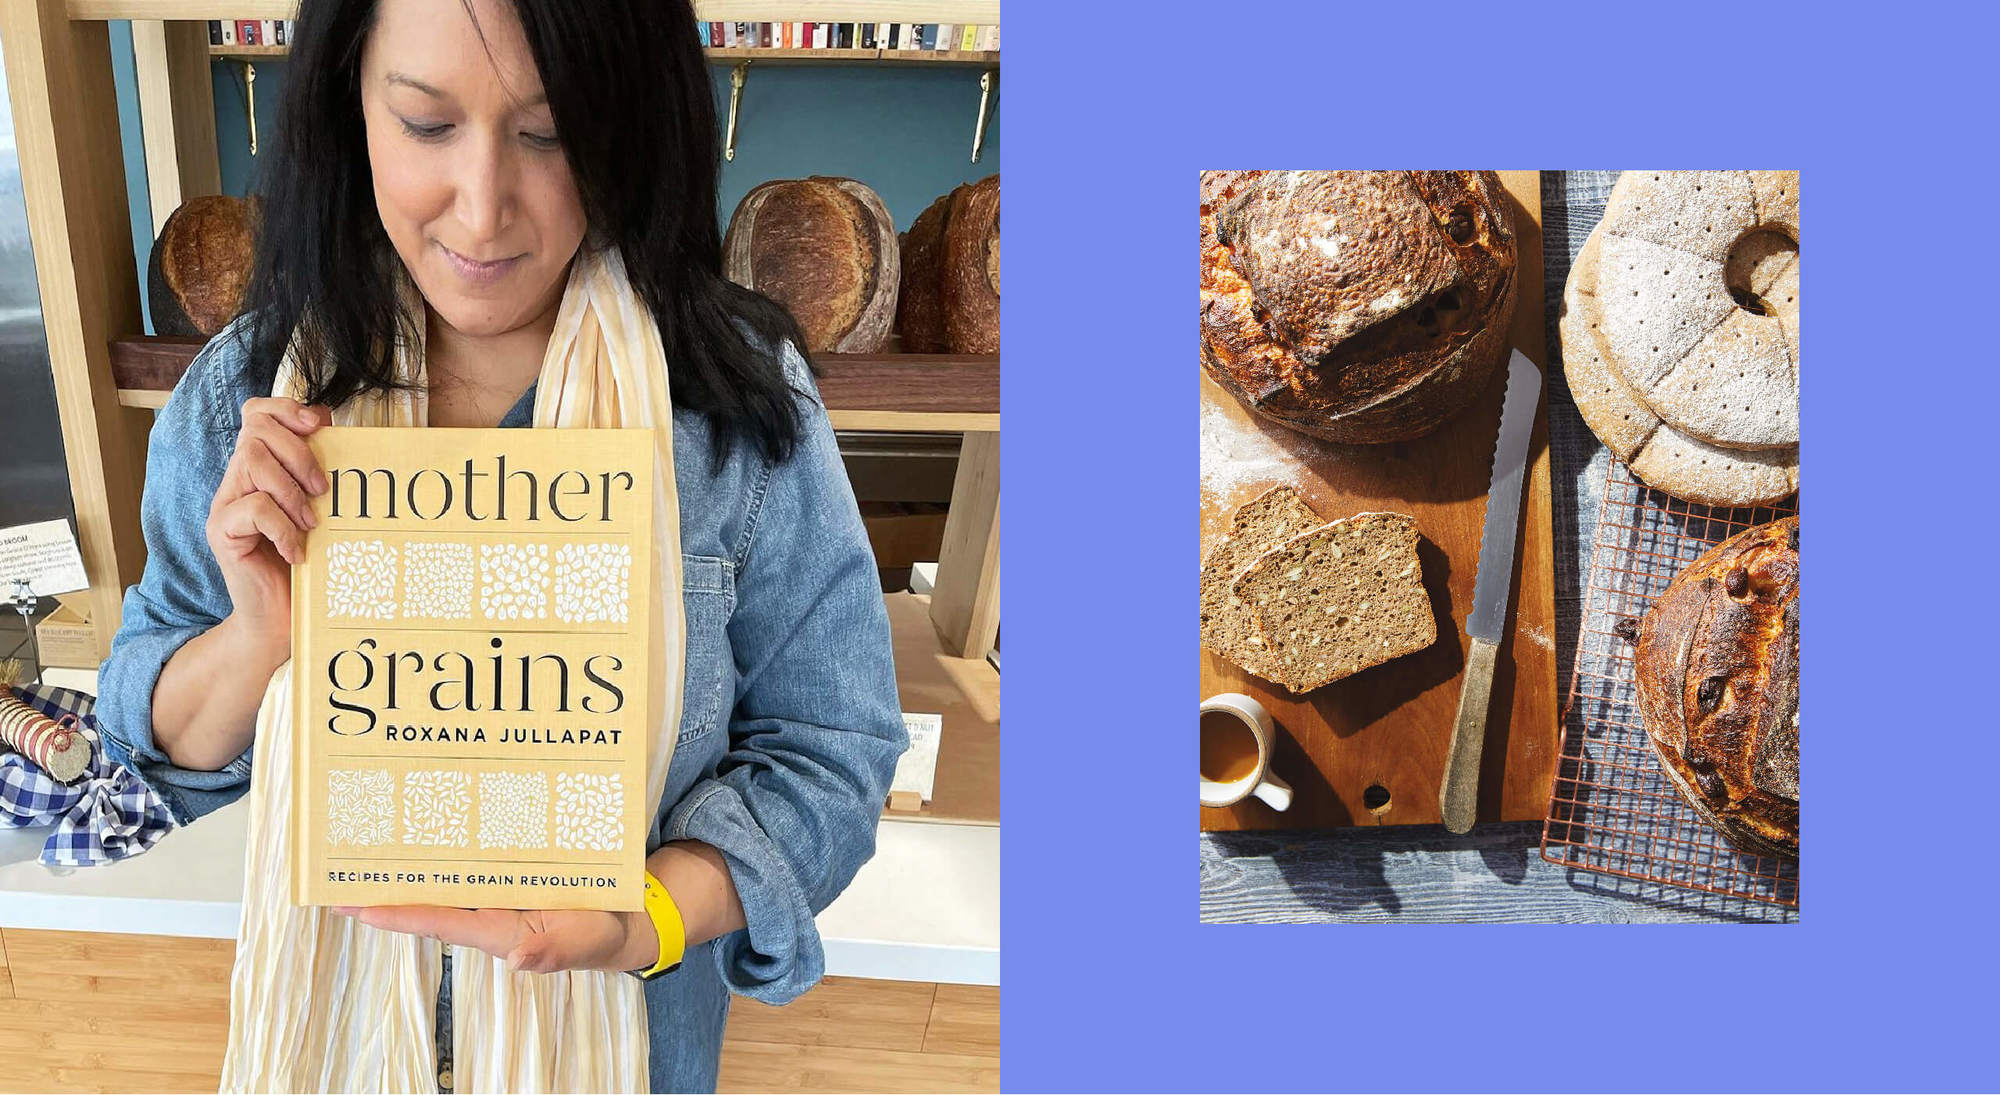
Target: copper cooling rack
{"x": 1611, "y": 808}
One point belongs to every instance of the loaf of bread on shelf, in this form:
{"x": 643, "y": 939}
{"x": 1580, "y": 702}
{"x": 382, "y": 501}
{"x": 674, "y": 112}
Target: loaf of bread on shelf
{"x": 1355, "y": 306}
{"x": 825, "y": 248}
{"x": 1718, "y": 686}
{"x": 950, "y": 302}
{"x": 200, "y": 265}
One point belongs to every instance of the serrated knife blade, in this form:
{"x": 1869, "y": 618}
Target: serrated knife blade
{"x": 1458, "y": 795}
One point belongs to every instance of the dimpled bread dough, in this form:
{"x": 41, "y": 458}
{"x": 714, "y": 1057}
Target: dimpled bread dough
{"x": 1660, "y": 454}
{"x": 1696, "y": 390}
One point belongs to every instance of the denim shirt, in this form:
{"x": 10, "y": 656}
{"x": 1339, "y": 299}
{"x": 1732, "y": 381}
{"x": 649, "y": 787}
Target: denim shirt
{"x": 790, "y": 724}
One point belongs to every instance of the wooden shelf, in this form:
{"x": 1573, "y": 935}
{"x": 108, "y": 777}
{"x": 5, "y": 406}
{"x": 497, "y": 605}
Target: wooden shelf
{"x": 728, "y": 55}
{"x": 966, "y": 691}
{"x": 981, "y": 12}
{"x": 249, "y": 53}
{"x": 902, "y": 393}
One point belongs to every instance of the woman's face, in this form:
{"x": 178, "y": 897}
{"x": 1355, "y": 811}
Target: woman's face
{"x": 469, "y": 179}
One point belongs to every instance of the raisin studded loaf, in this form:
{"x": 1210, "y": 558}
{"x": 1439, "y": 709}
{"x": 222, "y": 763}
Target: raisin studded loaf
{"x": 1355, "y": 306}
{"x": 825, "y": 248}
{"x": 1718, "y": 677}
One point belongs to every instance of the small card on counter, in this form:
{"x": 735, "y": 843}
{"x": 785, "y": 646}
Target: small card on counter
{"x": 43, "y": 554}
{"x": 916, "y": 769}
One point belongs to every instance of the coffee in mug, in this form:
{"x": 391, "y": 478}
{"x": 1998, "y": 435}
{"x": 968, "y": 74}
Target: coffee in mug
{"x": 1236, "y": 734}
{"x": 1228, "y": 747}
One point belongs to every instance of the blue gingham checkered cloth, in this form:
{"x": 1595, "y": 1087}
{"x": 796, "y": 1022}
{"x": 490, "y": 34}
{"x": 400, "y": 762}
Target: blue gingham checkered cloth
{"x": 108, "y": 815}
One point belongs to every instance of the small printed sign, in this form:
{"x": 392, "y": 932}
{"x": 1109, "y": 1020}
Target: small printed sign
{"x": 45, "y": 555}
{"x": 916, "y": 769}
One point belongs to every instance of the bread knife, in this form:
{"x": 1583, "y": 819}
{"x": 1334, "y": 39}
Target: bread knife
{"x": 1458, "y": 796}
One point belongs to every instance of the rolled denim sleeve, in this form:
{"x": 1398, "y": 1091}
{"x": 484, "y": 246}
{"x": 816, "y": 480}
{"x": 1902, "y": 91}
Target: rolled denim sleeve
{"x": 817, "y": 724}
{"x": 181, "y": 593}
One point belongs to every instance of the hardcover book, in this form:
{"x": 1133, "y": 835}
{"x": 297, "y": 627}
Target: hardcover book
{"x": 471, "y": 633}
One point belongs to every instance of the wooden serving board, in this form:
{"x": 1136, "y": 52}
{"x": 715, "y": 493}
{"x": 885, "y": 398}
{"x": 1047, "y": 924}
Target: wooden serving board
{"x": 1388, "y": 727}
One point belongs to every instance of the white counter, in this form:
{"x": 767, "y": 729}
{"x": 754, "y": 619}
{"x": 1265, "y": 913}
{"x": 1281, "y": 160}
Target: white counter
{"x": 926, "y": 908}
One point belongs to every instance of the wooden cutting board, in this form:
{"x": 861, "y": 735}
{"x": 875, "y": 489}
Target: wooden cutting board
{"x": 1387, "y": 728}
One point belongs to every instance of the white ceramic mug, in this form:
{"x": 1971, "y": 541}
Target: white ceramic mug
{"x": 1260, "y": 780}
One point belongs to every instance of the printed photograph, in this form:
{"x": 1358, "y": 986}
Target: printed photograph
{"x": 499, "y": 546}
{"x": 1500, "y": 545}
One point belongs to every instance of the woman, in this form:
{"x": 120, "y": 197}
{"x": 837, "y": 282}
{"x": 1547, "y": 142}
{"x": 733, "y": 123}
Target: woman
{"x": 442, "y": 170}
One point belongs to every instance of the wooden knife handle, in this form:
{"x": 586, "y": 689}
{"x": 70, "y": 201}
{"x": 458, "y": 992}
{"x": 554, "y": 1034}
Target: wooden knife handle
{"x": 1458, "y": 796}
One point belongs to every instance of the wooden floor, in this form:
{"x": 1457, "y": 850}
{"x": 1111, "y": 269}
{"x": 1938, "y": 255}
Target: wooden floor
{"x": 84, "y": 1012}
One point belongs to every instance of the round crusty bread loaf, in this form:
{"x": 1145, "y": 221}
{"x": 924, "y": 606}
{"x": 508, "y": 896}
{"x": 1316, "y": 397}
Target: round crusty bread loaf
{"x": 972, "y": 268}
{"x": 825, "y": 248}
{"x": 920, "y": 303}
{"x": 950, "y": 300}
{"x": 1355, "y": 306}
{"x": 1718, "y": 686}
{"x": 200, "y": 265}
{"x": 1680, "y": 332}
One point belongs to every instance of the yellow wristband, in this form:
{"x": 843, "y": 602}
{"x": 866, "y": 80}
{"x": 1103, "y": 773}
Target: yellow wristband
{"x": 666, "y": 918}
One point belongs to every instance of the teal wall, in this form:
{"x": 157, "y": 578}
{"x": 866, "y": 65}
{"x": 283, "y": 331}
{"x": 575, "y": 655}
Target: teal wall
{"x": 904, "y": 130}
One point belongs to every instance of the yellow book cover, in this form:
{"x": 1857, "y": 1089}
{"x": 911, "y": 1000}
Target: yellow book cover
{"x": 470, "y": 707}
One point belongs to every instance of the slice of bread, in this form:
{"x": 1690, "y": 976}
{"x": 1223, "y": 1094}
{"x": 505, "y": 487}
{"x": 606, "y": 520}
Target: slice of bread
{"x": 1227, "y": 626}
{"x": 1337, "y": 599}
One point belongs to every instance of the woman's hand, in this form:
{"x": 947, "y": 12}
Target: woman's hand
{"x": 530, "y": 941}
{"x": 258, "y": 520}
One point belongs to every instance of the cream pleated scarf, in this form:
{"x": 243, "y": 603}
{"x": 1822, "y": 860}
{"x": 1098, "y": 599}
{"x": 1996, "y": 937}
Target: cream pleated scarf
{"x": 320, "y": 1002}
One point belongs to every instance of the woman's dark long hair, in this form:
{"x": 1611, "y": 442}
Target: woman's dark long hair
{"x": 629, "y": 88}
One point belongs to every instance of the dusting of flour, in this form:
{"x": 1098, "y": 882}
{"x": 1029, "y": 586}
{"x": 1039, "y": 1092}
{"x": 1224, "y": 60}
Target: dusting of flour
{"x": 1236, "y": 454}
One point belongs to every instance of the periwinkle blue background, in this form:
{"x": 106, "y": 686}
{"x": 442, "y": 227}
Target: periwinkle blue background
{"x": 1887, "y": 981}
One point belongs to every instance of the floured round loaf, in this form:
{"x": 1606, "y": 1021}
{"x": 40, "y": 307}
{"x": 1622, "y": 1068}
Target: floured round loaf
{"x": 1658, "y": 452}
{"x": 1337, "y": 599}
{"x": 1356, "y": 306}
{"x": 1718, "y": 685}
{"x": 1228, "y": 627}
{"x": 824, "y": 248}
{"x": 1680, "y": 332}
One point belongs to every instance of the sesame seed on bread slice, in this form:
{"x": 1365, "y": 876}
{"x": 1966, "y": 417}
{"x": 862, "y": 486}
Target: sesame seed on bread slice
{"x": 1227, "y": 626}
{"x": 1337, "y": 599}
